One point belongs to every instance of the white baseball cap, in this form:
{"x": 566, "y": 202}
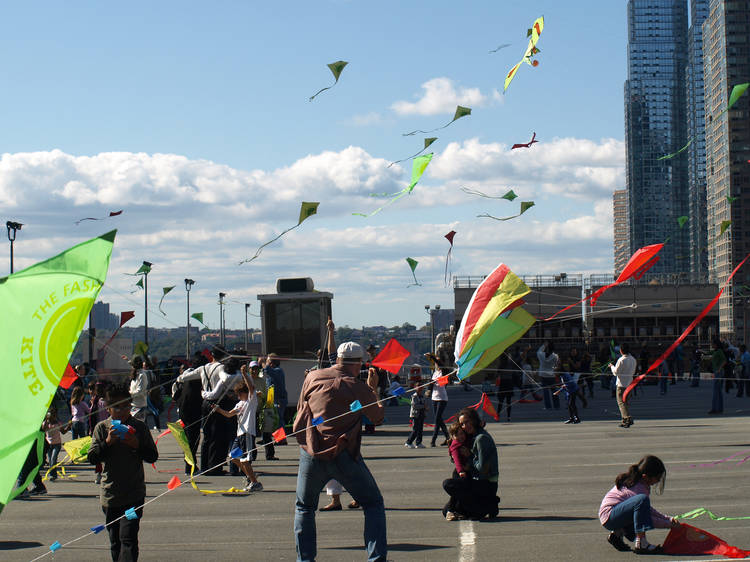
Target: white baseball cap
{"x": 349, "y": 350}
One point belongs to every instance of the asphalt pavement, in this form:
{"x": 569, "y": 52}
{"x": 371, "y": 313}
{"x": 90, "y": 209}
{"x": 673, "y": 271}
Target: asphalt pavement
{"x": 552, "y": 479}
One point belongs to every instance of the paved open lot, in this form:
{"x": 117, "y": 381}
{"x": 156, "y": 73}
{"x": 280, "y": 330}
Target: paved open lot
{"x": 552, "y": 478}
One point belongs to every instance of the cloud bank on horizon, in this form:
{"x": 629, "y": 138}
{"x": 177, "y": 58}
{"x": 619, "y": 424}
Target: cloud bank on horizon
{"x": 198, "y": 218}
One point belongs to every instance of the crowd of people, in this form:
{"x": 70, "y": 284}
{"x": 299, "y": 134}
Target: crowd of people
{"x": 230, "y": 409}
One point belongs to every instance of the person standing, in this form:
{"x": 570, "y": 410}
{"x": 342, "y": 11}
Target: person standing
{"x": 217, "y": 378}
{"x": 331, "y": 449}
{"x": 416, "y": 414}
{"x": 138, "y": 388}
{"x": 189, "y": 403}
{"x": 275, "y": 376}
{"x": 439, "y": 398}
{"x": 744, "y": 382}
{"x": 548, "y": 361}
{"x": 124, "y": 485}
{"x": 718, "y": 362}
{"x": 623, "y": 370}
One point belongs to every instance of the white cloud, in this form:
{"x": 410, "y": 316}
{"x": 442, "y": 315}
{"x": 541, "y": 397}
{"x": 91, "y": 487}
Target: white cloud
{"x": 198, "y": 219}
{"x": 371, "y": 118}
{"x": 441, "y": 96}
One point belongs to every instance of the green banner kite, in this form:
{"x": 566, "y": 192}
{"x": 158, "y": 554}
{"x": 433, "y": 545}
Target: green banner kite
{"x": 682, "y": 220}
{"x": 724, "y": 226}
{"x": 417, "y": 169}
{"x": 198, "y": 316}
{"x": 165, "y": 290}
{"x": 683, "y": 149}
{"x": 461, "y": 111}
{"x": 307, "y": 209}
{"x": 427, "y": 142}
{"x": 49, "y": 303}
{"x": 413, "y": 265}
{"x": 525, "y": 206}
{"x": 510, "y": 195}
{"x": 336, "y": 68}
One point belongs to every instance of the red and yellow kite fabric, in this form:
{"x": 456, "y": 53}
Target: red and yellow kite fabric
{"x": 639, "y": 263}
{"x": 492, "y": 322}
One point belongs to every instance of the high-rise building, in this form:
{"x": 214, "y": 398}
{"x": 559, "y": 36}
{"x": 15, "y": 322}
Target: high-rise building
{"x": 655, "y": 125}
{"x": 621, "y": 238}
{"x": 726, "y": 63}
{"x": 696, "y": 153}
{"x": 102, "y": 319}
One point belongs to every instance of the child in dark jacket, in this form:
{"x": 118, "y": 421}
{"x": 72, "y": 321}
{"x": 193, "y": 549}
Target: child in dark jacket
{"x": 122, "y": 443}
{"x": 417, "y": 414}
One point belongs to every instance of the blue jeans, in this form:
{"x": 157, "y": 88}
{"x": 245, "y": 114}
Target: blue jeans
{"x": 52, "y": 452}
{"x": 717, "y": 400}
{"x": 663, "y": 382}
{"x": 353, "y": 475}
{"x": 632, "y": 516}
{"x": 79, "y": 429}
{"x": 438, "y": 406}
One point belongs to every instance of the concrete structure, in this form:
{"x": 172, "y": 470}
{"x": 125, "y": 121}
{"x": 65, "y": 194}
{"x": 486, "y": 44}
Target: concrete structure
{"x": 655, "y": 125}
{"x": 621, "y": 238}
{"x": 726, "y": 47}
{"x": 643, "y": 313}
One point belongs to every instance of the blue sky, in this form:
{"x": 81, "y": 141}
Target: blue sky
{"x": 195, "y": 120}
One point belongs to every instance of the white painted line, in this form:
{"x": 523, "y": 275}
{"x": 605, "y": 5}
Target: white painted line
{"x": 467, "y": 541}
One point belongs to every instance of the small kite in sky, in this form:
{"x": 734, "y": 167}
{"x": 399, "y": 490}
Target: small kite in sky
{"x": 668, "y": 156}
{"x": 736, "y": 94}
{"x": 500, "y": 47}
{"x": 641, "y": 261}
{"x": 413, "y": 265}
{"x": 493, "y": 321}
{"x": 460, "y": 112}
{"x": 510, "y": 195}
{"x": 111, "y": 214}
{"x": 448, "y": 260}
{"x": 731, "y": 200}
{"x": 417, "y": 169}
{"x": 533, "y": 34}
{"x": 724, "y": 226}
{"x": 336, "y": 68}
{"x": 165, "y": 290}
{"x": 306, "y": 210}
{"x": 525, "y": 206}
{"x": 197, "y": 316}
{"x": 427, "y": 142}
{"x": 682, "y": 220}
{"x": 525, "y": 144}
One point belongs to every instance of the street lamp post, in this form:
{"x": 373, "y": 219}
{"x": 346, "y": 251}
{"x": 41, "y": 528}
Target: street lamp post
{"x": 222, "y": 338}
{"x": 146, "y": 268}
{"x": 247, "y": 307}
{"x": 432, "y": 324}
{"x": 188, "y": 285}
{"x": 12, "y": 228}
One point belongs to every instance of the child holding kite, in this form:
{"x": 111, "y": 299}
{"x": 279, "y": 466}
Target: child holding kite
{"x": 53, "y": 431}
{"x": 570, "y": 386}
{"x": 244, "y": 443}
{"x": 626, "y": 509}
{"x": 122, "y": 443}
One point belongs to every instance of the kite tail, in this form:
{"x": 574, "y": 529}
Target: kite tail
{"x": 260, "y": 249}
{"x": 86, "y": 219}
{"x": 447, "y": 261}
{"x": 321, "y": 91}
{"x": 399, "y": 196}
{"x": 684, "y": 334}
{"x": 408, "y": 157}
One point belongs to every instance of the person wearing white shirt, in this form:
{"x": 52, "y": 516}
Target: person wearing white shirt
{"x": 217, "y": 379}
{"x": 624, "y": 370}
{"x": 548, "y": 362}
{"x": 138, "y": 388}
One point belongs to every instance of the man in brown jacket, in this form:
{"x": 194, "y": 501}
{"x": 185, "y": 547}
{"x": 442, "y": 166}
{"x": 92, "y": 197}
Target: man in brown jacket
{"x": 329, "y": 421}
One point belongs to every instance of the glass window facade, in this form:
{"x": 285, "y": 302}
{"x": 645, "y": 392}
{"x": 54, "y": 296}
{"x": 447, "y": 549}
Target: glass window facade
{"x": 656, "y": 125}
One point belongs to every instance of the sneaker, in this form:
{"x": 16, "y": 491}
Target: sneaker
{"x": 648, "y": 549}
{"x": 617, "y": 541}
{"x": 577, "y": 420}
{"x": 419, "y": 446}
{"x": 38, "y": 491}
{"x": 410, "y": 446}
{"x": 450, "y": 516}
{"x": 23, "y": 495}
{"x": 571, "y": 420}
{"x": 254, "y": 487}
